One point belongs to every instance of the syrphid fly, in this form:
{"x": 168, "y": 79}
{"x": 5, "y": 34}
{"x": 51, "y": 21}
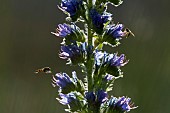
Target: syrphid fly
{"x": 46, "y": 70}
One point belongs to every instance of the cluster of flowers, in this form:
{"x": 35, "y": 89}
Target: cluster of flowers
{"x": 84, "y": 48}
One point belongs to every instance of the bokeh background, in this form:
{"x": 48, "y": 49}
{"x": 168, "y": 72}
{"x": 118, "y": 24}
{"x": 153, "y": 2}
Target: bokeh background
{"x": 26, "y": 45}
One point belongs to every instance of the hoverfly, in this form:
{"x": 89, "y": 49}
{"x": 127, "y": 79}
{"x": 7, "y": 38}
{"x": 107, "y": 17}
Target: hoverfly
{"x": 46, "y": 70}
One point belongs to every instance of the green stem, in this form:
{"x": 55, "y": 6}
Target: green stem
{"x": 89, "y": 59}
{"x": 89, "y": 65}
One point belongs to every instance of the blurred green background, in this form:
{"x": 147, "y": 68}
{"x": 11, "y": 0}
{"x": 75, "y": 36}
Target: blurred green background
{"x": 26, "y": 45}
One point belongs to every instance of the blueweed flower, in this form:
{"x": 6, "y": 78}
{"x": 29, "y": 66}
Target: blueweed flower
{"x": 95, "y": 100}
{"x": 122, "y": 104}
{"x": 70, "y": 51}
{"x": 71, "y": 7}
{"x": 99, "y": 20}
{"x": 70, "y": 33}
{"x": 115, "y": 60}
{"x": 73, "y": 53}
{"x": 90, "y": 96}
{"x": 113, "y": 64}
{"x": 63, "y": 30}
{"x": 101, "y": 96}
{"x": 111, "y": 59}
{"x": 64, "y": 82}
{"x": 110, "y": 63}
{"x": 114, "y": 33}
{"x": 67, "y": 98}
{"x": 74, "y": 100}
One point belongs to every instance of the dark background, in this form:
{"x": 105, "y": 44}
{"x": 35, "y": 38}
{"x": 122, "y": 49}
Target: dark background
{"x": 26, "y": 44}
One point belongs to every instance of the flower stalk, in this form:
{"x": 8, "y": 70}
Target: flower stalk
{"x": 89, "y": 64}
{"x": 84, "y": 48}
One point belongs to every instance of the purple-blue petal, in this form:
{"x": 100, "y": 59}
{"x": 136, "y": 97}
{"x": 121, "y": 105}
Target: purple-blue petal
{"x": 71, "y": 6}
{"x": 62, "y": 80}
{"x": 122, "y": 104}
{"x": 101, "y": 96}
{"x": 115, "y": 31}
{"x": 66, "y": 98}
{"x": 90, "y": 96}
{"x": 72, "y": 51}
{"x": 99, "y": 19}
{"x": 63, "y": 30}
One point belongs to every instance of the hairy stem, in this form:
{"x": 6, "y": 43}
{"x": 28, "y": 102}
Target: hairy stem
{"x": 90, "y": 58}
{"x": 89, "y": 65}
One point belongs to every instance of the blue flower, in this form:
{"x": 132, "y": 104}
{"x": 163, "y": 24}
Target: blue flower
{"x": 73, "y": 52}
{"x": 70, "y": 33}
{"x": 71, "y": 6}
{"x": 67, "y": 98}
{"x": 69, "y": 51}
{"x": 113, "y": 63}
{"x": 99, "y": 19}
{"x": 101, "y": 96}
{"x": 106, "y": 63}
{"x": 63, "y": 30}
{"x": 116, "y": 31}
{"x": 122, "y": 104}
{"x": 115, "y": 60}
{"x": 64, "y": 82}
{"x": 90, "y": 96}
{"x": 111, "y": 59}
{"x": 74, "y": 100}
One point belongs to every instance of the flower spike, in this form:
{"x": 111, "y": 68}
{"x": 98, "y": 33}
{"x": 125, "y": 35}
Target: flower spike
{"x": 84, "y": 48}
